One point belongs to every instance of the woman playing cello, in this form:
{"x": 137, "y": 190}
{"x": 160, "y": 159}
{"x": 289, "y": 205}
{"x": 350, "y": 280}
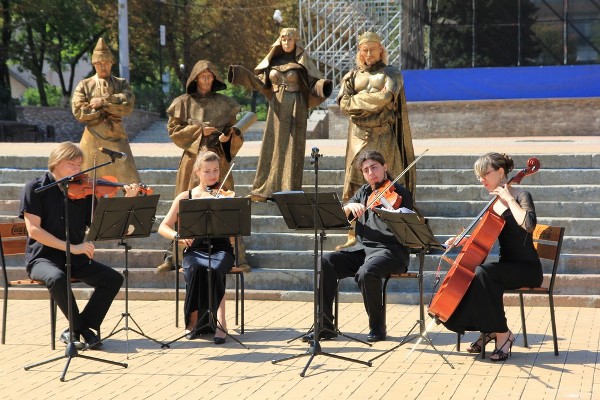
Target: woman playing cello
{"x": 481, "y": 308}
{"x": 195, "y": 260}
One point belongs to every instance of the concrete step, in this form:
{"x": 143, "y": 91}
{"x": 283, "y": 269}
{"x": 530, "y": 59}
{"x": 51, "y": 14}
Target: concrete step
{"x": 168, "y": 176}
{"x": 272, "y": 259}
{"x": 548, "y": 161}
{"x": 452, "y": 208}
{"x": 412, "y": 298}
{"x": 442, "y": 227}
{"x": 431, "y": 208}
{"x": 303, "y": 280}
{"x": 153, "y": 176}
{"x": 558, "y": 193}
{"x": 586, "y": 193}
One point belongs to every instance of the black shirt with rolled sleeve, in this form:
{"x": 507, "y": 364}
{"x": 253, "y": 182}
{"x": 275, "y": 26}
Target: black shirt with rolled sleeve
{"x": 49, "y": 206}
{"x": 372, "y": 233}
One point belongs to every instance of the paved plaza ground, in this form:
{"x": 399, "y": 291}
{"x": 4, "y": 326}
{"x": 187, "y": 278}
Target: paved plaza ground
{"x": 199, "y": 369}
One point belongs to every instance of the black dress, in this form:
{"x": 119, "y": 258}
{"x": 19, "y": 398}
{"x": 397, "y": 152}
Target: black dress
{"x": 482, "y": 307}
{"x": 196, "y": 264}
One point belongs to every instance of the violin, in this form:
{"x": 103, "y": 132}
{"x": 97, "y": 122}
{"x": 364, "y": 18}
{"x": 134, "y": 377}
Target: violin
{"x": 486, "y": 228}
{"x": 82, "y": 186}
{"x": 389, "y": 190}
{"x": 220, "y": 193}
{"x": 388, "y": 197}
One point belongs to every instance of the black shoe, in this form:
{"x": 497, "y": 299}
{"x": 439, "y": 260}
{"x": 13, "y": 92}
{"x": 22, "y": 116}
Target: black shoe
{"x": 375, "y": 336}
{"x": 324, "y": 335}
{"x": 220, "y": 340}
{"x": 64, "y": 337}
{"x": 91, "y": 340}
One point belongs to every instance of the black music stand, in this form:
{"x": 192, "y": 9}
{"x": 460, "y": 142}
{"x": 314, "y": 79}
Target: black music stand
{"x": 303, "y": 211}
{"x": 210, "y": 218}
{"x": 415, "y": 234}
{"x": 118, "y": 218}
{"x": 71, "y": 351}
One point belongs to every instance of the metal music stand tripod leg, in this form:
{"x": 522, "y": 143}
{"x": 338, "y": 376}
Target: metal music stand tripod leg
{"x": 415, "y": 234}
{"x": 422, "y": 335}
{"x": 71, "y": 351}
{"x": 335, "y": 329}
{"x": 327, "y": 213}
{"x": 116, "y": 218}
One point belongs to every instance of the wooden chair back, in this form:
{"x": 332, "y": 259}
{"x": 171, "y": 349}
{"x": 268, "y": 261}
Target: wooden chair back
{"x": 13, "y": 240}
{"x": 547, "y": 240}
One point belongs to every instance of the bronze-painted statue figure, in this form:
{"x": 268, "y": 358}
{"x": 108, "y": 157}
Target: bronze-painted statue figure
{"x": 203, "y": 120}
{"x": 101, "y": 102}
{"x": 372, "y": 95}
{"x": 292, "y": 84}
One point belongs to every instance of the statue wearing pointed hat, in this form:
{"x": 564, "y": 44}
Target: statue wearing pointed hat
{"x": 101, "y": 102}
{"x": 372, "y": 95}
{"x": 292, "y": 84}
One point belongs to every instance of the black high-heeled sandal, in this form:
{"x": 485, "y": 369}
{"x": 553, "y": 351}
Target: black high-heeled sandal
{"x": 501, "y": 355}
{"x": 475, "y": 347}
{"x": 220, "y": 340}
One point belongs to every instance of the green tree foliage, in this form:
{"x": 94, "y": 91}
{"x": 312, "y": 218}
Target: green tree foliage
{"x": 54, "y": 96}
{"x": 57, "y": 32}
{"x": 7, "y": 110}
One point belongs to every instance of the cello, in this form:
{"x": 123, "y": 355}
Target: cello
{"x": 486, "y": 228}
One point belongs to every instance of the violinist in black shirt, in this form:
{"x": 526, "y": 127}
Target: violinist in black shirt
{"x": 376, "y": 254}
{"x": 44, "y": 217}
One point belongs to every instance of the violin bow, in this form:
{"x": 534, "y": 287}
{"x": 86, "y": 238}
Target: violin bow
{"x": 381, "y": 192}
{"x": 226, "y": 176}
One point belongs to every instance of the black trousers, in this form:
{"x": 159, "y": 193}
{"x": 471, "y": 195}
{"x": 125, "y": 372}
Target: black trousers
{"x": 368, "y": 273}
{"x": 105, "y": 281}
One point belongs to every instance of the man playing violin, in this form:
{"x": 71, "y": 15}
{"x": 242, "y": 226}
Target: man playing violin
{"x": 376, "y": 254}
{"x": 44, "y": 217}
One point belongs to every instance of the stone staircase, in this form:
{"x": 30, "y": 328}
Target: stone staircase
{"x": 565, "y": 190}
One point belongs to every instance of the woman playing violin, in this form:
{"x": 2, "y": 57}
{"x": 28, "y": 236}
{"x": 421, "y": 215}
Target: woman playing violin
{"x": 195, "y": 260}
{"x": 482, "y": 308}
{"x": 376, "y": 254}
{"x": 44, "y": 217}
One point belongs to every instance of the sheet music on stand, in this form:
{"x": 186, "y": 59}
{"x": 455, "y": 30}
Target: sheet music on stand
{"x": 109, "y": 223}
{"x": 409, "y": 229}
{"x": 297, "y": 210}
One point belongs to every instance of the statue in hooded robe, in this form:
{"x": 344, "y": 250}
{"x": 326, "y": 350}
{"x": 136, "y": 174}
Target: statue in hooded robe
{"x": 202, "y": 119}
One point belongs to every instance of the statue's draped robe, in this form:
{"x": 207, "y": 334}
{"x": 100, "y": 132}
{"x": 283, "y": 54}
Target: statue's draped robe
{"x": 378, "y": 121}
{"x": 104, "y": 126}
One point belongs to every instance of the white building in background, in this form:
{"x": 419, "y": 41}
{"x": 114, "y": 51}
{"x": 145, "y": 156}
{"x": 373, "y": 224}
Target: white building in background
{"x": 21, "y": 81}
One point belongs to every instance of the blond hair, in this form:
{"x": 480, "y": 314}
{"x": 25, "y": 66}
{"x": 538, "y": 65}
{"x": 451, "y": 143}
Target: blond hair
{"x": 360, "y": 61}
{"x": 64, "y": 151}
{"x": 205, "y": 156}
